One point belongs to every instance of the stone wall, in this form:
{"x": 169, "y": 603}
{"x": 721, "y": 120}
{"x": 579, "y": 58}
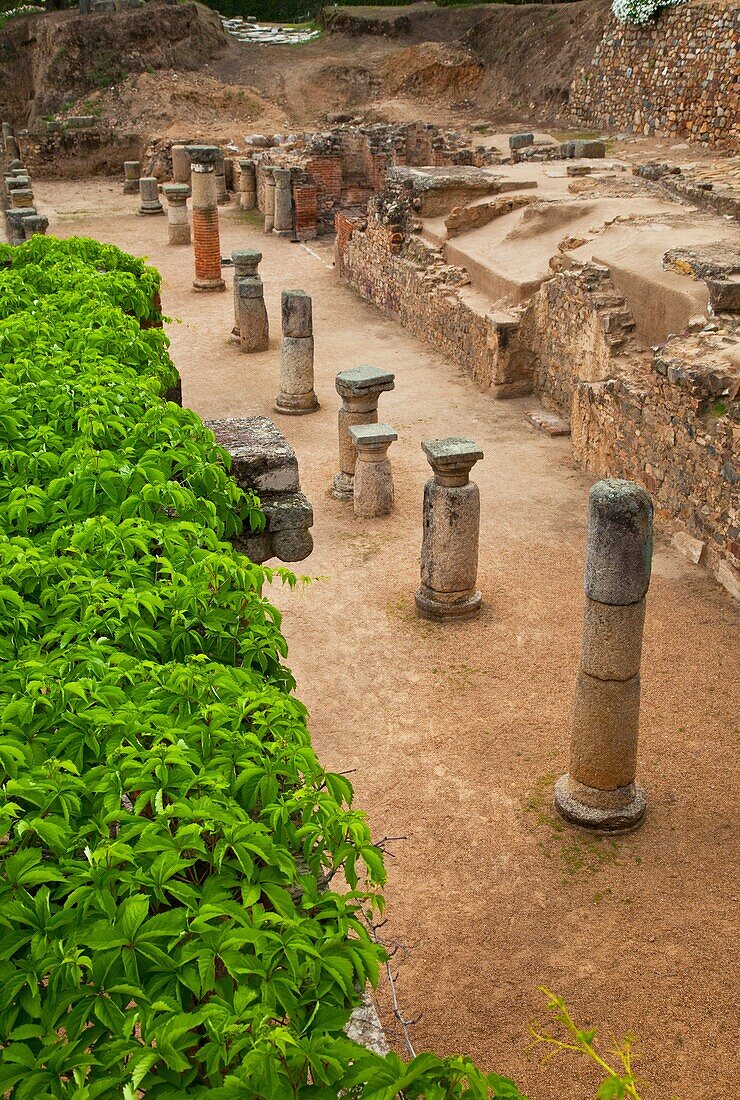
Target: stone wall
{"x": 65, "y": 151}
{"x": 677, "y": 76}
{"x": 668, "y": 420}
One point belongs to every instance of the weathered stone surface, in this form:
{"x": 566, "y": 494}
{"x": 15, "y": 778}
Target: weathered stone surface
{"x": 373, "y": 482}
{"x": 262, "y": 458}
{"x": 618, "y": 811}
{"x": 296, "y": 395}
{"x": 691, "y": 548}
{"x": 296, "y": 310}
{"x": 620, "y": 545}
{"x": 547, "y": 422}
{"x": 606, "y": 716}
{"x": 589, "y": 149}
{"x": 358, "y": 381}
{"x": 612, "y": 640}
{"x": 359, "y": 388}
{"x": 364, "y": 1027}
{"x": 149, "y": 191}
{"x": 520, "y": 141}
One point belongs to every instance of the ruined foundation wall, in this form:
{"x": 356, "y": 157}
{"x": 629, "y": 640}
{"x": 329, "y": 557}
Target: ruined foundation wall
{"x": 670, "y": 422}
{"x": 677, "y": 76}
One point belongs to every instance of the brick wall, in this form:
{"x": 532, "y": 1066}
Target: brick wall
{"x": 305, "y": 201}
{"x": 678, "y": 76}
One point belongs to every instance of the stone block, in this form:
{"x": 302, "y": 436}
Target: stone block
{"x": 612, "y": 640}
{"x": 606, "y": 717}
{"x": 591, "y": 149}
{"x": 520, "y": 141}
{"x": 262, "y": 459}
{"x": 686, "y": 544}
{"x": 620, "y": 545}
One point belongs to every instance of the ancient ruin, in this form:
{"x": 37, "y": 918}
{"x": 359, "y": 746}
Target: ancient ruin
{"x": 298, "y": 792}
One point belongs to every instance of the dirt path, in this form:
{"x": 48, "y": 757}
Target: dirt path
{"x": 456, "y": 733}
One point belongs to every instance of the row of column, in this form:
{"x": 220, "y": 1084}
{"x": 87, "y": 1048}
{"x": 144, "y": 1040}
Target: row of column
{"x": 21, "y": 216}
{"x": 599, "y": 790}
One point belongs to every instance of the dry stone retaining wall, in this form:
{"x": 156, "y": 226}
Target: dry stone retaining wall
{"x": 678, "y": 76}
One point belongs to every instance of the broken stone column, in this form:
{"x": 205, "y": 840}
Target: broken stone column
{"x": 149, "y": 191}
{"x": 15, "y": 219}
{"x": 269, "y": 200}
{"x": 206, "y": 240}
{"x": 12, "y": 149}
{"x": 283, "y": 224}
{"x": 247, "y": 185}
{"x": 373, "y": 486}
{"x": 360, "y": 389}
{"x": 263, "y": 461}
{"x": 180, "y": 165}
{"x": 178, "y": 226}
{"x": 296, "y": 394}
{"x": 449, "y": 549}
{"x": 131, "y": 176}
{"x": 35, "y": 223}
{"x": 222, "y": 194}
{"x": 599, "y": 791}
{"x": 251, "y": 324}
{"x": 21, "y": 197}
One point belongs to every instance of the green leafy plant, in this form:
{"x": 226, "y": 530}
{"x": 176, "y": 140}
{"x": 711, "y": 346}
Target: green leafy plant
{"x": 619, "y": 1081}
{"x": 168, "y": 921}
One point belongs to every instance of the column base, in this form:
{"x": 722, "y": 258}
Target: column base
{"x": 626, "y": 814}
{"x": 208, "y": 284}
{"x": 143, "y": 210}
{"x": 296, "y": 404}
{"x": 342, "y": 487}
{"x": 282, "y": 232}
{"x": 131, "y": 188}
{"x": 431, "y": 608}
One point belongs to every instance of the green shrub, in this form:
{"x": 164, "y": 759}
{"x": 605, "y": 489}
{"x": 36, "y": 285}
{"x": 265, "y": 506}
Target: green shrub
{"x": 168, "y": 925}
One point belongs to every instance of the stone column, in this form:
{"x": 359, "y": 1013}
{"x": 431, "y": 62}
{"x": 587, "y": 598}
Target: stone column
{"x": 296, "y": 394}
{"x": 206, "y": 240}
{"x": 149, "y": 191}
{"x": 600, "y": 790}
{"x": 180, "y": 165}
{"x": 250, "y": 315}
{"x": 15, "y": 219}
{"x": 12, "y": 149}
{"x": 131, "y": 176}
{"x": 247, "y": 185}
{"x": 21, "y": 197}
{"x": 359, "y": 389}
{"x": 35, "y": 223}
{"x": 373, "y": 495}
{"x": 449, "y": 549}
{"x": 283, "y": 225}
{"x": 178, "y": 226}
{"x": 222, "y": 195}
{"x": 269, "y": 200}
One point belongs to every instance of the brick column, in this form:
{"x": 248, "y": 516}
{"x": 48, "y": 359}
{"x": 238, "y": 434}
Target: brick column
{"x": 296, "y": 356}
{"x": 599, "y": 790}
{"x": 359, "y": 389}
{"x": 449, "y": 549}
{"x": 373, "y": 487}
{"x": 283, "y": 224}
{"x": 131, "y": 176}
{"x": 251, "y": 322}
{"x": 178, "y": 226}
{"x": 149, "y": 191}
{"x": 306, "y": 202}
{"x": 206, "y": 241}
{"x": 247, "y": 185}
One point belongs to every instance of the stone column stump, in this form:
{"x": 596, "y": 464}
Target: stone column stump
{"x": 251, "y": 323}
{"x": 180, "y": 165}
{"x": 149, "y": 191}
{"x": 283, "y": 225}
{"x": 15, "y": 220}
{"x": 35, "y": 223}
{"x": 178, "y": 226}
{"x": 247, "y": 185}
{"x": 360, "y": 389}
{"x": 206, "y": 239}
{"x": 373, "y": 486}
{"x": 21, "y": 198}
{"x": 269, "y": 200}
{"x": 599, "y": 791}
{"x": 222, "y": 194}
{"x": 449, "y": 549}
{"x": 131, "y": 176}
{"x": 296, "y": 395}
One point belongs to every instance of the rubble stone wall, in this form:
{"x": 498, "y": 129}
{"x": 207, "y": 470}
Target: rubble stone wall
{"x": 670, "y": 421}
{"x": 677, "y": 76}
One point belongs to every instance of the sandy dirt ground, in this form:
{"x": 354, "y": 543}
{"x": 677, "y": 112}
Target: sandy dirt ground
{"x": 455, "y": 733}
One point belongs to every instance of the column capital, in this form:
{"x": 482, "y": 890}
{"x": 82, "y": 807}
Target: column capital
{"x": 246, "y": 261}
{"x": 364, "y": 381}
{"x": 370, "y": 437}
{"x": 452, "y": 458}
{"x": 203, "y": 158}
{"x": 176, "y": 193}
